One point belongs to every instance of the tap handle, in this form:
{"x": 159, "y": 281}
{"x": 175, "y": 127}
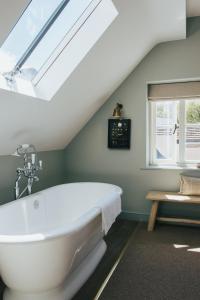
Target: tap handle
{"x": 33, "y": 158}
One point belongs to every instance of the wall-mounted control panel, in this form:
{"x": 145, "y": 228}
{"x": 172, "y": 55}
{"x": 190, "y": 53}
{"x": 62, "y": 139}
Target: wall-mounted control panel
{"x": 119, "y": 133}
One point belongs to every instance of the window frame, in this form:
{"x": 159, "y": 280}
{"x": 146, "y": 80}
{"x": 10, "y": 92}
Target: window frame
{"x": 65, "y": 42}
{"x": 59, "y": 48}
{"x": 40, "y": 35}
{"x": 181, "y": 161}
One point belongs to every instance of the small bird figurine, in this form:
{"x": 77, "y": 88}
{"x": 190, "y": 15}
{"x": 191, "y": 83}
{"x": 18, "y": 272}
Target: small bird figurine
{"x": 117, "y": 113}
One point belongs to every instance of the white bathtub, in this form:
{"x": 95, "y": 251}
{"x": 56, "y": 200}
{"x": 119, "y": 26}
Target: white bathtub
{"x": 51, "y": 241}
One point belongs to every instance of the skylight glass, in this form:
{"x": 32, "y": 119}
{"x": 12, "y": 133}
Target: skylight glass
{"x": 24, "y": 35}
{"x": 25, "y": 31}
{"x": 56, "y": 33}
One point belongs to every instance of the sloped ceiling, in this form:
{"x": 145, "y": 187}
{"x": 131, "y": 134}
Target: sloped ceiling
{"x": 52, "y": 125}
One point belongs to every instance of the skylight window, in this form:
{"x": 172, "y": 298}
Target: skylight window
{"x": 48, "y": 43}
{"x": 37, "y": 34}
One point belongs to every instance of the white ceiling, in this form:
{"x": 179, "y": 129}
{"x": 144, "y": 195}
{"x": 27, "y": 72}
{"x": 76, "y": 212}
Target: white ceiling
{"x": 193, "y": 8}
{"x": 10, "y": 12}
{"x": 139, "y": 26}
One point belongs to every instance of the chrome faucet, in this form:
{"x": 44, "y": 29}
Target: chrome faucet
{"x": 30, "y": 169}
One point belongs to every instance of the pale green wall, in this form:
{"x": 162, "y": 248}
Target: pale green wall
{"x": 52, "y": 173}
{"x": 88, "y": 158}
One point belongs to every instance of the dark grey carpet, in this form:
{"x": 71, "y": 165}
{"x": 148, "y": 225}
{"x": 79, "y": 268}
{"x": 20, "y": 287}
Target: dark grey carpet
{"x": 153, "y": 269}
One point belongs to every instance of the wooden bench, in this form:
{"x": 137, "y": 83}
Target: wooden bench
{"x": 169, "y": 197}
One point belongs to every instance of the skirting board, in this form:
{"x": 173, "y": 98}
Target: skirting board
{"x": 135, "y": 216}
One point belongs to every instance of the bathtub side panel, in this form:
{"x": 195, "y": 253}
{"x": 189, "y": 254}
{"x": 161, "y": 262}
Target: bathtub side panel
{"x": 41, "y": 265}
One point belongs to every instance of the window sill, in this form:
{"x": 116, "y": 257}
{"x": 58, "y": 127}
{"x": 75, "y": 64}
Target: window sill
{"x": 168, "y": 167}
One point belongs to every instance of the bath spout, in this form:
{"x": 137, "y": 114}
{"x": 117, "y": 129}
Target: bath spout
{"x": 29, "y": 170}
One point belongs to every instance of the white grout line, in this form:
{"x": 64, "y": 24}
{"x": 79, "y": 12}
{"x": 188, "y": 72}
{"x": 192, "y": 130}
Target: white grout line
{"x": 104, "y": 284}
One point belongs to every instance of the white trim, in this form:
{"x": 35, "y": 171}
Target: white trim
{"x": 71, "y": 56}
{"x": 181, "y": 161}
{"x": 170, "y": 167}
{"x": 82, "y": 42}
{"x": 147, "y": 133}
{"x": 152, "y": 129}
{"x": 66, "y": 40}
{"x": 151, "y": 133}
{"x": 182, "y": 132}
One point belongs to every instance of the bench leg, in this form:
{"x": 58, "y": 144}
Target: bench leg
{"x": 153, "y": 215}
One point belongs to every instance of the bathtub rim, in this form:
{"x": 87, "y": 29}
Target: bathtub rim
{"x": 67, "y": 229}
{"x": 115, "y": 187}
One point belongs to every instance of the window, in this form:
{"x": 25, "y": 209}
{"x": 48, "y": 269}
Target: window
{"x": 37, "y": 34}
{"x": 174, "y": 124}
{"x": 48, "y": 43}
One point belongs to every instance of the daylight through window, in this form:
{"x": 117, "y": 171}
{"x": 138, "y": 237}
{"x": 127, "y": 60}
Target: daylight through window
{"x": 37, "y": 34}
{"x": 174, "y": 128}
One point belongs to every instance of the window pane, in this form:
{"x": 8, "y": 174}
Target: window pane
{"x": 192, "y": 130}
{"x": 55, "y": 35}
{"x": 27, "y": 28}
{"x": 166, "y": 131}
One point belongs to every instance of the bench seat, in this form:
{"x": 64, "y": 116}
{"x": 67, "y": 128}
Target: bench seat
{"x": 170, "y": 197}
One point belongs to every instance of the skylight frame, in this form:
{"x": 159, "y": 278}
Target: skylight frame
{"x": 12, "y": 75}
{"x": 66, "y": 40}
{"x": 81, "y": 39}
{"x": 40, "y": 35}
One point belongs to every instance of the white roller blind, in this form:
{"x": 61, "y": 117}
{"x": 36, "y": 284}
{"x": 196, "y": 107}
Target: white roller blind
{"x": 174, "y": 91}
